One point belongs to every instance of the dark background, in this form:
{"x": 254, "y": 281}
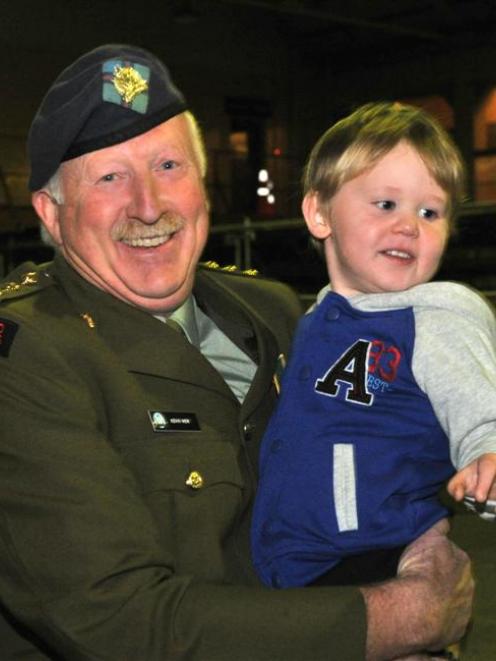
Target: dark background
{"x": 265, "y": 79}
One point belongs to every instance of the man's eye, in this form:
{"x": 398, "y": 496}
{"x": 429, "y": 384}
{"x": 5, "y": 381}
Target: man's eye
{"x": 386, "y": 205}
{"x": 428, "y": 214}
{"x": 169, "y": 165}
{"x": 109, "y": 177}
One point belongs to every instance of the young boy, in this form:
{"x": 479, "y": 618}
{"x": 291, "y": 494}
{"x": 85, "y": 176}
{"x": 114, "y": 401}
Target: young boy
{"x": 384, "y": 368}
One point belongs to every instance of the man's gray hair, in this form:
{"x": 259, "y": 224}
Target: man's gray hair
{"x": 54, "y": 187}
{"x": 198, "y": 142}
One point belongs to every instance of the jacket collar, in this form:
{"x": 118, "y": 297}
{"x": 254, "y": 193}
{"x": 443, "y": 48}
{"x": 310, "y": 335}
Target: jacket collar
{"x": 147, "y": 345}
{"x": 243, "y": 325}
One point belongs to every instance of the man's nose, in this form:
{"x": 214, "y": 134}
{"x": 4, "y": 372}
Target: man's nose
{"x": 145, "y": 202}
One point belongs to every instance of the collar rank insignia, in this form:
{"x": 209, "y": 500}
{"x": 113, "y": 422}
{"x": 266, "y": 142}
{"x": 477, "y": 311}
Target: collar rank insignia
{"x": 126, "y": 84}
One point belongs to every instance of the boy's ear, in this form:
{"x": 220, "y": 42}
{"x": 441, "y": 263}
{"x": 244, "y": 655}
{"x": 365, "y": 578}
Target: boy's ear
{"x": 48, "y": 210}
{"x": 317, "y": 223}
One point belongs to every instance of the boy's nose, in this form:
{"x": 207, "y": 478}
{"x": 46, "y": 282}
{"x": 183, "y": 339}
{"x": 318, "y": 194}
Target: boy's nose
{"x": 407, "y": 224}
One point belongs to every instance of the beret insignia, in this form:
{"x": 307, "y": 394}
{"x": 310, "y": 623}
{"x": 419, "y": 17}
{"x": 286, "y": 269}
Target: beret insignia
{"x": 126, "y": 84}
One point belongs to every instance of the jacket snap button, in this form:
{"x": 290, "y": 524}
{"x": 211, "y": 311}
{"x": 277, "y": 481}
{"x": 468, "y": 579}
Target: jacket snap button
{"x": 333, "y": 314}
{"x": 248, "y": 429}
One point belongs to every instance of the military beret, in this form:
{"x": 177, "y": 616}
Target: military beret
{"x": 107, "y": 96}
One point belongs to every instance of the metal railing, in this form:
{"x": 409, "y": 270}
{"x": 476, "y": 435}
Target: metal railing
{"x": 280, "y": 249}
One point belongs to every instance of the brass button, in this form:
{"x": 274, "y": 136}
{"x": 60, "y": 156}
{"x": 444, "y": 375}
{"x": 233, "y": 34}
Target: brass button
{"x": 195, "y": 480}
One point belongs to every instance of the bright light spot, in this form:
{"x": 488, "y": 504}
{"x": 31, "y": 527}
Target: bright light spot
{"x": 263, "y": 175}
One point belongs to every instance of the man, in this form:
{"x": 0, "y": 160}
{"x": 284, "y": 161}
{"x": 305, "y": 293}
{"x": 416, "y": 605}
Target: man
{"x": 129, "y": 448}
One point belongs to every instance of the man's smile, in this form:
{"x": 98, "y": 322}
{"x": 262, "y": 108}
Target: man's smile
{"x": 147, "y": 241}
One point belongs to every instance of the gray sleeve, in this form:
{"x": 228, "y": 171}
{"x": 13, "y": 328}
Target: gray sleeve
{"x": 454, "y": 363}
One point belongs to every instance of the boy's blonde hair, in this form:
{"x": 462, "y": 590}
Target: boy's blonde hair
{"x": 358, "y": 141}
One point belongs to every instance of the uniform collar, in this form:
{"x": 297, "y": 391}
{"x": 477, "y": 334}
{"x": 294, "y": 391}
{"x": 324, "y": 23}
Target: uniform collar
{"x": 147, "y": 345}
{"x": 186, "y": 316}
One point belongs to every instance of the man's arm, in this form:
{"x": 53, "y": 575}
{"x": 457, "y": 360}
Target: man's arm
{"x": 105, "y": 553}
{"x": 86, "y": 568}
{"x": 428, "y": 606}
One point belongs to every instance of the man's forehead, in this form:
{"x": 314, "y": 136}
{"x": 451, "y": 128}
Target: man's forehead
{"x": 170, "y": 139}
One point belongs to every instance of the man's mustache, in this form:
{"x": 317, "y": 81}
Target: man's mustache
{"x": 130, "y": 230}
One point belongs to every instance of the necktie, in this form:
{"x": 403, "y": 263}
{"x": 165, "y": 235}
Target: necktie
{"x": 177, "y": 327}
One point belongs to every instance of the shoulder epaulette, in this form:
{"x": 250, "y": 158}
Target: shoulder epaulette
{"x": 214, "y": 266}
{"x": 24, "y": 281}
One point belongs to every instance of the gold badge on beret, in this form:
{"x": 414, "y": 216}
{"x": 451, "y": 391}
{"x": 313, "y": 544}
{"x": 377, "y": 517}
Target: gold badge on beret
{"x": 126, "y": 84}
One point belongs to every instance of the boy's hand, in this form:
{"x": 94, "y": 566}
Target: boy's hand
{"x": 478, "y": 479}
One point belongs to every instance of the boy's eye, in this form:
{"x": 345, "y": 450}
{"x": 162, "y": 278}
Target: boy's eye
{"x": 428, "y": 214}
{"x": 386, "y": 205}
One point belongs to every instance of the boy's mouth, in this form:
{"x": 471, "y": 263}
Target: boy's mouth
{"x": 400, "y": 254}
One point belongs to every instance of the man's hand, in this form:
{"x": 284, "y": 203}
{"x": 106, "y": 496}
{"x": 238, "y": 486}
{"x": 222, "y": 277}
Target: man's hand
{"x": 478, "y": 479}
{"x": 428, "y": 606}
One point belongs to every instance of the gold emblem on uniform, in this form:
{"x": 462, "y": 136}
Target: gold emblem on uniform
{"x": 229, "y": 268}
{"x": 128, "y": 83}
{"x": 30, "y": 278}
{"x": 10, "y": 288}
{"x": 195, "y": 480}
{"x": 88, "y": 319}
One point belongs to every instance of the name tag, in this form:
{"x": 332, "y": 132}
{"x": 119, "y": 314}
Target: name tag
{"x": 164, "y": 421}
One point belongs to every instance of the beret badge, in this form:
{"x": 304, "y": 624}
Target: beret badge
{"x": 126, "y": 84}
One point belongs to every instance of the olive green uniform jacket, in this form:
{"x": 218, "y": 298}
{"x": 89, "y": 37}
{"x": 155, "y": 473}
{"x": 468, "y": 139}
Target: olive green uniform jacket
{"x": 120, "y": 542}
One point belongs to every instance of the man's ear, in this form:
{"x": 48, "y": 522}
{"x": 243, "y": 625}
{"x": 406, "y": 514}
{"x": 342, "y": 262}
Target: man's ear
{"x": 48, "y": 210}
{"x": 317, "y": 223}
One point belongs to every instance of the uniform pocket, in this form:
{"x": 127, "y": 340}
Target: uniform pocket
{"x": 193, "y": 488}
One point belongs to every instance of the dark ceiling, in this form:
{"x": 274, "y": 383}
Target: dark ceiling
{"x": 354, "y": 26}
{"x": 361, "y": 27}
{"x": 43, "y": 36}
